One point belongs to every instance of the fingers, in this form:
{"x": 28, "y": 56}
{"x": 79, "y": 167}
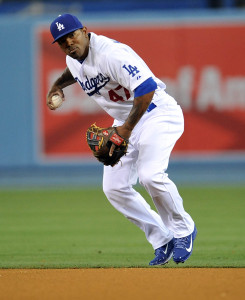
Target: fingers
{"x": 112, "y": 149}
{"x": 50, "y": 103}
{"x": 49, "y": 98}
{"x": 50, "y": 106}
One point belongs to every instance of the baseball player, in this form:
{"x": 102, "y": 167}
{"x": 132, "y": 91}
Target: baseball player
{"x": 114, "y": 76}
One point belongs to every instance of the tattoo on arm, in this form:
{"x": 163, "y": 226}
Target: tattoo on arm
{"x": 65, "y": 79}
{"x": 140, "y": 106}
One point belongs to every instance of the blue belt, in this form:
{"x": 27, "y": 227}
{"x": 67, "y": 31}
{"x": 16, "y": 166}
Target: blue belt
{"x": 151, "y": 107}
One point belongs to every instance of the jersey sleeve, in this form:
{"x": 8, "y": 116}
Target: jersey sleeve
{"x": 126, "y": 67}
{"x": 146, "y": 87}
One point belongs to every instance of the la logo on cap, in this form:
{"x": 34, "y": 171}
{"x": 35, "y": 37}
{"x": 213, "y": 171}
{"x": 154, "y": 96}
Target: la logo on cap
{"x": 60, "y": 26}
{"x": 63, "y": 25}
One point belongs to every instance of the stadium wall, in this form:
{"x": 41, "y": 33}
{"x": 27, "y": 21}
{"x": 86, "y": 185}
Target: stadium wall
{"x": 200, "y": 57}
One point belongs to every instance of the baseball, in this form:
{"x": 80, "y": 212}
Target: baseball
{"x": 56, "y": 101}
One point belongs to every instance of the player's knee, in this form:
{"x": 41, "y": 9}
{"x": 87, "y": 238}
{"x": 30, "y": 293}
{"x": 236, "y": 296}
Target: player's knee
{"x": 150, "y": 178}
{"x": 145, "y": 178}
{"x": 115, "y": 195}
{"x": 111, "y": 189}
{"x": 107, "y": 189}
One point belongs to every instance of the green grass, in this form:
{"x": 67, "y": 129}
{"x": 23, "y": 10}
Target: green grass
{"x": 71, "y": 228}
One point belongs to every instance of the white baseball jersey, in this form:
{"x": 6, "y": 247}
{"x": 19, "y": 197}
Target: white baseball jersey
{"x": 110, "y": 74}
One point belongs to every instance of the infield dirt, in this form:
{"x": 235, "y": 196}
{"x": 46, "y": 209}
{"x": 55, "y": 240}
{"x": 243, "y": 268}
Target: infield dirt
{"x": 126, "y": 283}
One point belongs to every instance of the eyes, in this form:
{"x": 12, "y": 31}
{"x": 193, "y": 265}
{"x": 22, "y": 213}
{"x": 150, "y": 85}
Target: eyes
{"x": 63, "y": 39}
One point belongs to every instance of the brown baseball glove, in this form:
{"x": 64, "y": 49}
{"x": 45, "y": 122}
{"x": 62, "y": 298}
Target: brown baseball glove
{"x": 100, "y": 141}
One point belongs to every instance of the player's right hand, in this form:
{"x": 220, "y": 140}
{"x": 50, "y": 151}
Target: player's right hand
{"x": 54, "y": 91}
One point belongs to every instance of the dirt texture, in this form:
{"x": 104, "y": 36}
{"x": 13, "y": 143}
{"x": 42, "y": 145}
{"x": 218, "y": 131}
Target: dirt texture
{"x": 127, "y": 284}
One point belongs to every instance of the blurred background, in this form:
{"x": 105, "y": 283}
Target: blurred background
{"x": 196, "y": 47}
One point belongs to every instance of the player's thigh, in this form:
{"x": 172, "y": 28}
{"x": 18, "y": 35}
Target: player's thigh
{"x": 156, "y": 143}
{"x": 123, "y": 174}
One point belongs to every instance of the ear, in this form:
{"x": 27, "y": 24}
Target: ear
{"x": 84, "y": 30}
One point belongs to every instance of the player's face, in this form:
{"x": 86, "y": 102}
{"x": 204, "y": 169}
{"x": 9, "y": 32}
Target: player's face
{"x": 75, "y": 44}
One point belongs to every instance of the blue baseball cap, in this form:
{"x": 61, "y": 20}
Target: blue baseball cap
{"x": 63, "y": 25}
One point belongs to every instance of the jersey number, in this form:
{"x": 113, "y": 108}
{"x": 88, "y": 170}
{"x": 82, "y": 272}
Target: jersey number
{"x": 115, "y": 97}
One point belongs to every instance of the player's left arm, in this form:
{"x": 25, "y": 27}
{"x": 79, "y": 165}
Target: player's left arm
{"x": 139, "y": 108}
{"x": 143, "y": 97}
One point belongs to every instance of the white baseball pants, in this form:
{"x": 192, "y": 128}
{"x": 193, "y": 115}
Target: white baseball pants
{"x": 151, "y": 143}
